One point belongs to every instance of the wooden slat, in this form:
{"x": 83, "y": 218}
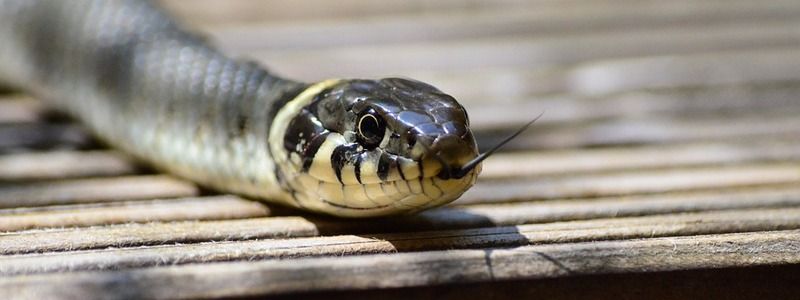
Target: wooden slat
{"x": 63, "y": 164}
{"x": 530, "y": 20}
{"x": 596, "y": 230}
{"x": 573, "y": 161}
{"x": 156, "y": 233}
{"x": 208, "y": 208}
{"x": 704, "y": 69}
{"x": 491, "y": 214}
{"x": 682, "y": 76}
{"x": 417, "y": 269}
{"x": 383, "y": 60}
{"x": 633, "y": 182}
{"x": 474, "y": 216}
{"x": 210, "y": 11}
{"x": 94, "y": 190}
{"x": 637, "y": 130}
{"x": 707, "y": 102}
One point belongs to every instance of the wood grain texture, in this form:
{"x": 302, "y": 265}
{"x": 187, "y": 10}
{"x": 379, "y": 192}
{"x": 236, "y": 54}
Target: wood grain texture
{"x": 417, "y": 269}
{"x": 378, "y": 60}
{"x": 64, "y": 164}
{"x": 526, "y": 20}
{"x": 94, "y": 190}
{"x": 169, "y": 231}
{"x": 209, "y": 208}
{"x": 567, "y": 232}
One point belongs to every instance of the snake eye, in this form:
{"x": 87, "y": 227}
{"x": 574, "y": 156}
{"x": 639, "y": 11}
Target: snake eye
{"x": 371, "y": 129}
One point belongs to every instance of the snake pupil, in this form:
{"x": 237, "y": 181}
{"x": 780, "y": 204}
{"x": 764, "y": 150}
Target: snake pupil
{"x": 371, "y": 129}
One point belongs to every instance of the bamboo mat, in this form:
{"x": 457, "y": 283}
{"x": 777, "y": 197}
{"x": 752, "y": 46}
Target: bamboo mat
{"x": 666, "y": 165}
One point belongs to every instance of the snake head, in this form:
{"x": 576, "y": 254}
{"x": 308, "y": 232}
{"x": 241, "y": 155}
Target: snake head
{"x": 415, "y": 121}
{"x": 377, "y": 147}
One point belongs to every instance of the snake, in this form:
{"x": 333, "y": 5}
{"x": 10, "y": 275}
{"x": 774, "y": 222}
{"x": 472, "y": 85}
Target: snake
{"x": 143, "y": 83}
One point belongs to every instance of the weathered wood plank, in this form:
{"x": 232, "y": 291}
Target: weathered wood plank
{"x": 633, "y": 182}
{"x": 475, "y": 216}
{"x": 531, "y": 20}
{"x": 579, "y": 161}
{"x": 651, "y": 129}
{"x": 205, "y": 208}
{"x": 210, "y": 11}
{"x": 746, "y": 67}
{"x": 418, "y": 269}
{"x": 485, "y": 215}
{"x": 552, "y": 85}
{"x": 383, "y": 60}
{"x": 94, "y": 190}
{"x": 699, "y": 102}
{"x": 63, "y": 165}
{"x": 570, "y": 232}
{"x": 156, "y": 233}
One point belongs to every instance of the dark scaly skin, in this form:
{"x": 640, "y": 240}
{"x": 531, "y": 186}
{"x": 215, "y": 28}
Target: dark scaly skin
{"x": 145, "y": 85}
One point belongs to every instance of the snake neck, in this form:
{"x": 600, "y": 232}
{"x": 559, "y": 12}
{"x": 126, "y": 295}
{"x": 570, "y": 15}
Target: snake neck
{"x": 142, "y": 83}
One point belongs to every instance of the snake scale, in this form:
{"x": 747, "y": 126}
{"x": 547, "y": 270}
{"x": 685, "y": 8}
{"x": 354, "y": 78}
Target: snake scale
{"x": 144, "y": 84}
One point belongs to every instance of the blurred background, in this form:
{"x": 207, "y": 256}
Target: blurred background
{"x": 605, "y": 72}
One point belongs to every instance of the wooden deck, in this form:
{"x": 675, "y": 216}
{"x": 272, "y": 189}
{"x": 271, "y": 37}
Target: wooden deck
{"x": 666, "y": 165}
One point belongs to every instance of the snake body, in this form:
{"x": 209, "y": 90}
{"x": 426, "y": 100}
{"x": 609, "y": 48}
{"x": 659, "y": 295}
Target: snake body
{"x": 144, "y": 84}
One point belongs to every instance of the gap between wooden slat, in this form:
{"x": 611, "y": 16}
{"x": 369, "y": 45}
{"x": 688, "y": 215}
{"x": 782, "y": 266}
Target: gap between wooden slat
{"x": 206, "y": 208}
{"x": 42, "y": 136}
{"x": 418, "y": 269}
{"x": 94, "y": 190}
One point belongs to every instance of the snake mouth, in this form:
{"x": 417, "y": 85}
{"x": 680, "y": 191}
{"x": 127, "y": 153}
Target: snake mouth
{"x": 334, "y": 204}
{"x": 453, "y": 172}
{"x": 397, "y": 197}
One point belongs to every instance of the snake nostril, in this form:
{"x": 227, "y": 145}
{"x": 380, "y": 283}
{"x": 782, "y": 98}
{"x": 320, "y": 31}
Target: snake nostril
{"x": 453, "y": 151}
{"x": 412, "y": 141}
